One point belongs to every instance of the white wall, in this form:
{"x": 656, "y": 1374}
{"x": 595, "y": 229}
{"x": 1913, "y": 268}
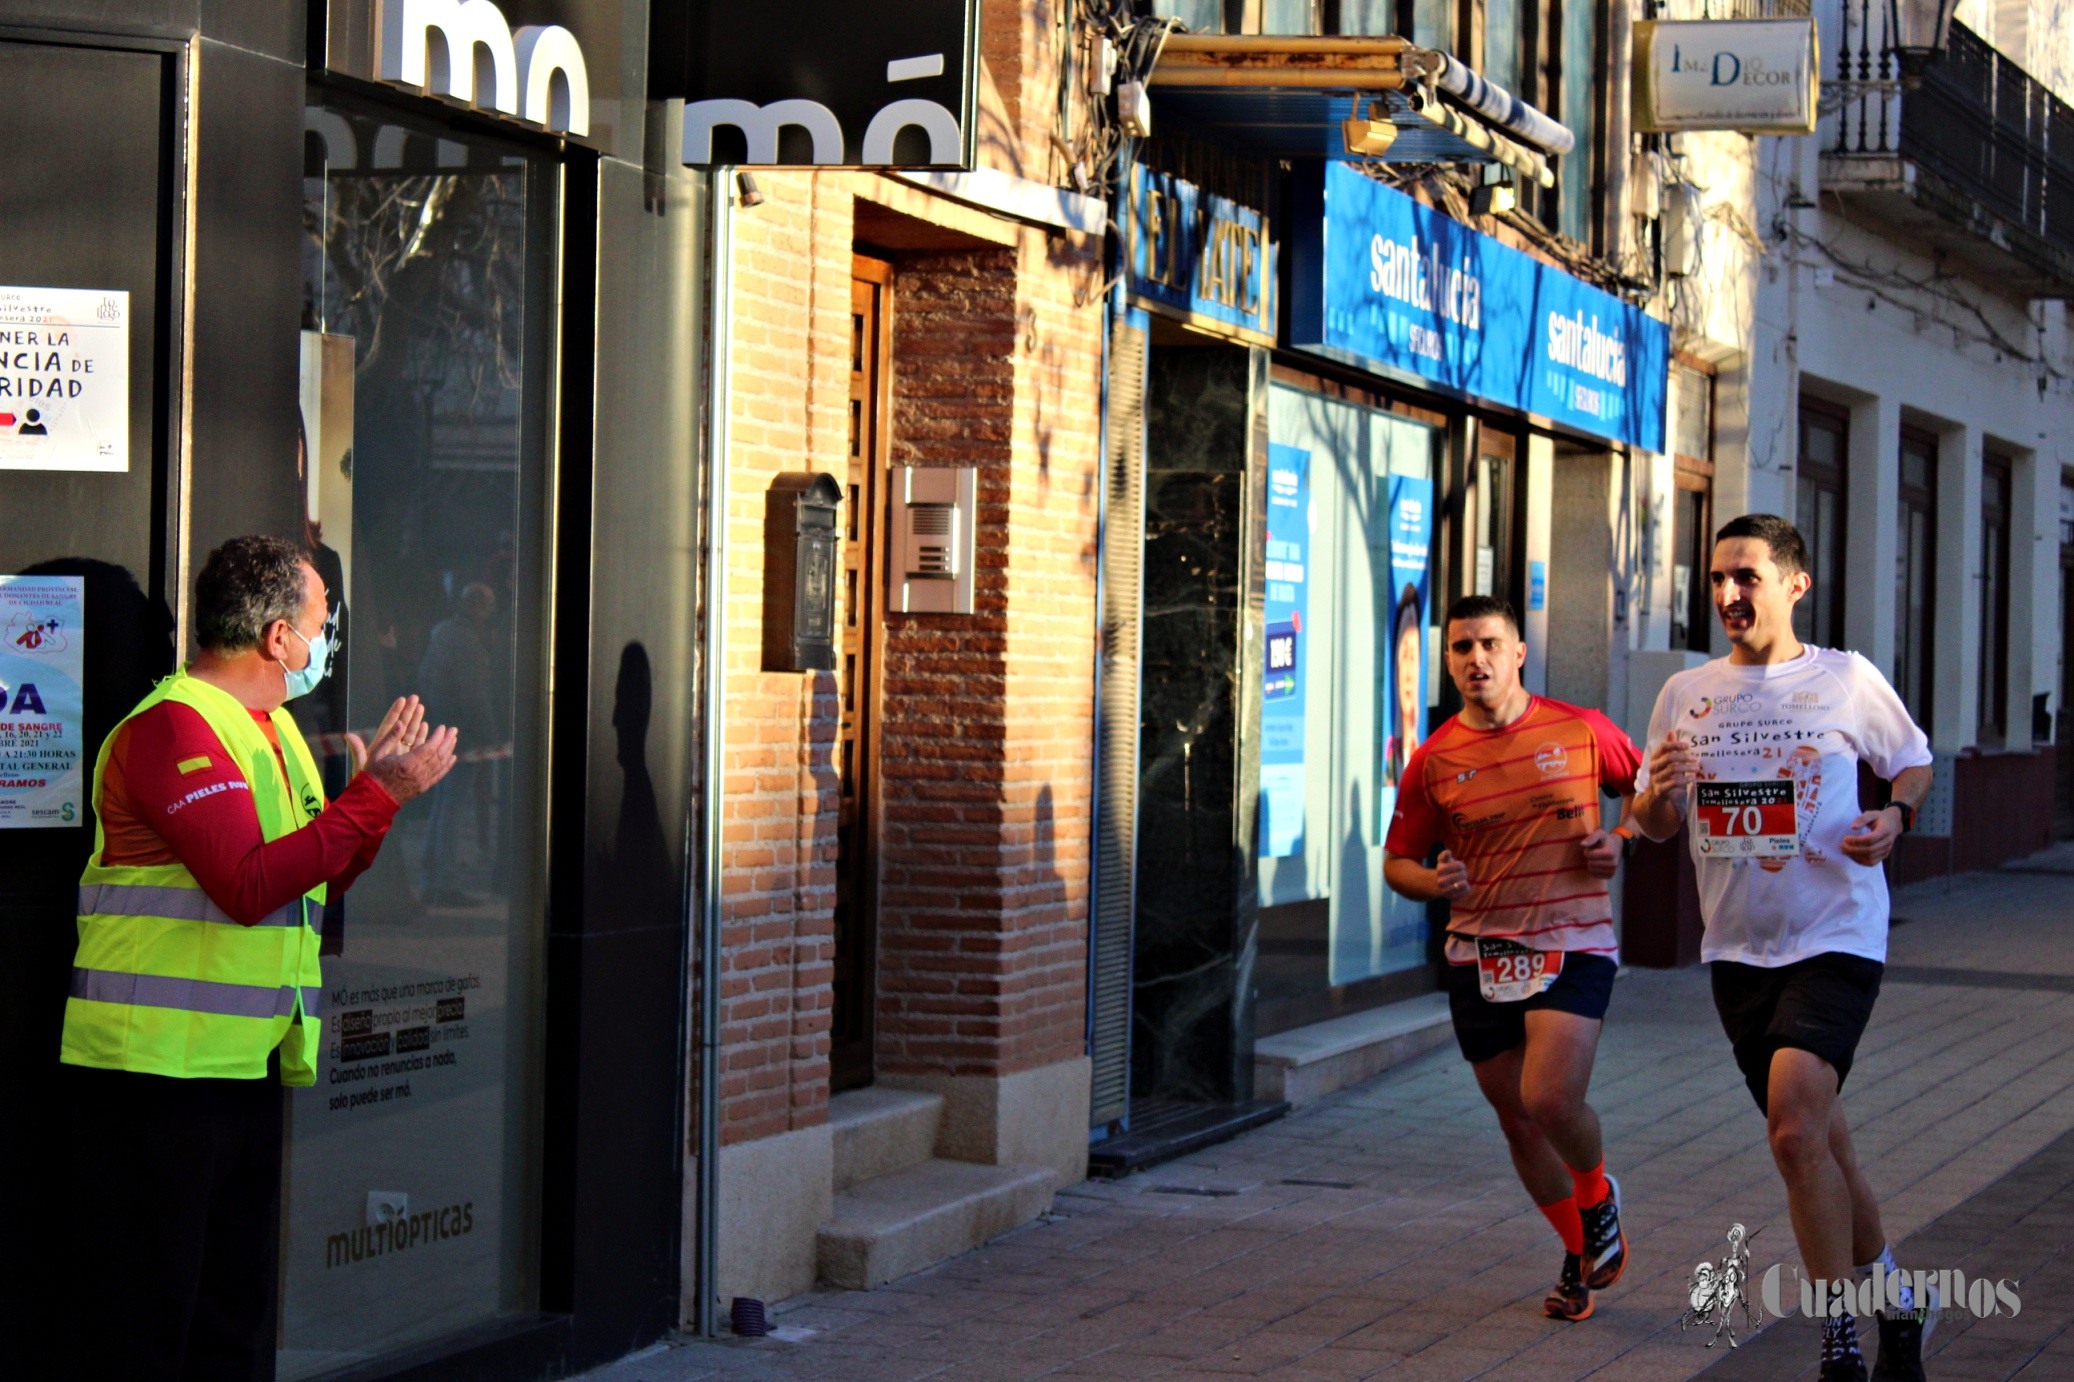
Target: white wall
{"x": 1782, "y": 295}
{"x": 1871, "y": 324}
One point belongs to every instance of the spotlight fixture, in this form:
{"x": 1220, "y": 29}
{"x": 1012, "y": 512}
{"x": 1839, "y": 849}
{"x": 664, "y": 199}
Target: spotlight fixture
{"x": 1493, "y": 198}
{"x": 1369, "y": 136}
{"x": 749, "y": 194}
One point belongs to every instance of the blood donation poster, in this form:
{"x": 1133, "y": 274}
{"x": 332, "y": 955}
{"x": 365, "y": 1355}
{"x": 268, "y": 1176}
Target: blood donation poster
{"x": 1282, "y": 697}
{"x": 42, "y": 648}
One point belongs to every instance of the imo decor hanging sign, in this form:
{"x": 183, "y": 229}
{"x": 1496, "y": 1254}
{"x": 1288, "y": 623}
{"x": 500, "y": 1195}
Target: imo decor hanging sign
{"x": 64, "y": 379}
{"x": 1758, "y": 76}
{"x": 827, "y": 83}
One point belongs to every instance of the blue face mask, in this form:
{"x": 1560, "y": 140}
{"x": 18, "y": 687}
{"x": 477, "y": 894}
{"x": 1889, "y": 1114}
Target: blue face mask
{"x": 305, "y": 681}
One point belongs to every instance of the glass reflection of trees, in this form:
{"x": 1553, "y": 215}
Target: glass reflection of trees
{"x": 430, "y": 271}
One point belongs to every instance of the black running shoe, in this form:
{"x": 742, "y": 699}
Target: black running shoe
{"x": 1901, "y": 1349}
{"x": 1571, "y": 1299}
{"x": 1605, "y": 1247}
{"x": 1841, "y": 1360}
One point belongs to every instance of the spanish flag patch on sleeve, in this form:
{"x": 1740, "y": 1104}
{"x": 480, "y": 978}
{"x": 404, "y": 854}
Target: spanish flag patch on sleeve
{"x": 193, "y": 765}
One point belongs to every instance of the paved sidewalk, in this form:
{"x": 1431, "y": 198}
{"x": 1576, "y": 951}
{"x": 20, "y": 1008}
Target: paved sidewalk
{"x": 1382, "y": 1232}
{"x": 2018, "y": 1229}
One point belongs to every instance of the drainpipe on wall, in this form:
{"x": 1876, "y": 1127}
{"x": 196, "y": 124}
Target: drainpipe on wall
{"x": 720, "y": 324}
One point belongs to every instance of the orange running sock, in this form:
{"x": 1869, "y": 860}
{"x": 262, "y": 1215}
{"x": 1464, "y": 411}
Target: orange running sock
{"x": 1567, "y": 1222}
{"x": 1591, "y": 1185}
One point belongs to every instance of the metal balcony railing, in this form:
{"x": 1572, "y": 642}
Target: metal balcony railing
{"x": 1976, "y": 119}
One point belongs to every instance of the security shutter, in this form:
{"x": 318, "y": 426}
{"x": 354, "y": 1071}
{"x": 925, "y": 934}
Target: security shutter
{"x": 1116, "y": 725}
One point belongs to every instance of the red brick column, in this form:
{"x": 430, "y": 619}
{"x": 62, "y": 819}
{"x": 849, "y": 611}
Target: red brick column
{"x": 987, "y": 732}
{"x": 789, "y": 403}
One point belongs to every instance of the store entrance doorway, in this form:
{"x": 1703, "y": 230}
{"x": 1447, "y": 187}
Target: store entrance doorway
{"x": 85, "y": 220}
{"x": 856, "y": 746}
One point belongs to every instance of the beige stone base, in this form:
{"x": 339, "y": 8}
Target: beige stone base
{"x": 1031, "y": 1118}
{"x": 774, "y": 1196}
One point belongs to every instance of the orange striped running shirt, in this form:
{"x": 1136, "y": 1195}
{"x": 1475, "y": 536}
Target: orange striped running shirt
{"x": 1512, "y": 804}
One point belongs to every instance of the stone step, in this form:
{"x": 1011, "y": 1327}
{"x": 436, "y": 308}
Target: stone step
{"x": 878, "y": 1131}
{"x": 889, "y": 1226}
{"x": 1307, "y": 1063}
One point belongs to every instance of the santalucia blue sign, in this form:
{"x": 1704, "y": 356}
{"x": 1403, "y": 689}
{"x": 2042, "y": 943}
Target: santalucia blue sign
{"x": 1382, "y": 282}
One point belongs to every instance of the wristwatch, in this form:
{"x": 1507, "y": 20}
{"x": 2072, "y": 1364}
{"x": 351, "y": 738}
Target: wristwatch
{"x": 1908, "y": 815}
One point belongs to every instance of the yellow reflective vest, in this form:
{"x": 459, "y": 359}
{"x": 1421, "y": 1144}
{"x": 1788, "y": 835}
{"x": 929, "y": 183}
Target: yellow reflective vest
{"x": 165, "y": 982}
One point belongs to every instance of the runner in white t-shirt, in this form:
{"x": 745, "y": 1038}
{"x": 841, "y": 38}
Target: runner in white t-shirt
{"x": 1758, "y": 754}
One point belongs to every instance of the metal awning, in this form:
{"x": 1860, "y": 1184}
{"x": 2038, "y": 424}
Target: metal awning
{"x": 1289, "y": 97}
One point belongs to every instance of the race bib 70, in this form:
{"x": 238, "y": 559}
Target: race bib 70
{"x": 1746, "y": 820}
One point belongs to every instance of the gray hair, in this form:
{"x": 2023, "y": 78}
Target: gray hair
{"x": 247, "y": 584}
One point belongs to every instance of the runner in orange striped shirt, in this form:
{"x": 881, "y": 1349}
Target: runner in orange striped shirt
{"x": 1509, "y": 791}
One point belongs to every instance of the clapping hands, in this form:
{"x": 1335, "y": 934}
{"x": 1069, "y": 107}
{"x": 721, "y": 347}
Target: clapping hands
{"x": 408, "y": 757}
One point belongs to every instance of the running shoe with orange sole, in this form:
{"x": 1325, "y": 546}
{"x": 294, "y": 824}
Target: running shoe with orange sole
{"x": 1605, "y": 1246}
{"x": 1570, "y": 1298}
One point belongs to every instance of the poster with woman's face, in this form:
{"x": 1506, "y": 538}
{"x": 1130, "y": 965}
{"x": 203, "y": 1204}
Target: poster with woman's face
{"x": 1407, "y": 684}
{"x": 1404, "y": 685}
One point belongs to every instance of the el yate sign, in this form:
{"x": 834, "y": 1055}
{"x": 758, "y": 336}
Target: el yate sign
{"x": 1759, "y": 76}
{"x": 849, "y": 83}
{"x": 1202, "y": 258}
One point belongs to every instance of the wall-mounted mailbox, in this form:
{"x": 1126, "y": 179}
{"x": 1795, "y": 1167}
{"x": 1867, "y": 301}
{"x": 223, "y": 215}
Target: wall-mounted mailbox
{"x": 933, "y": 512}
{"x": 800, "y": 526}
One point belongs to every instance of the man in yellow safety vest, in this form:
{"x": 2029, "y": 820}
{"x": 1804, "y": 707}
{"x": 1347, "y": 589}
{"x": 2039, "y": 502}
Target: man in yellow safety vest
{"x": 195, "y": 990}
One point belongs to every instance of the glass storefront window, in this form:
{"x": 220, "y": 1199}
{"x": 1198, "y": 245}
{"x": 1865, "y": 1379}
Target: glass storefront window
{"x": 1350, "y": 600}
{"x": 428, "y": 272}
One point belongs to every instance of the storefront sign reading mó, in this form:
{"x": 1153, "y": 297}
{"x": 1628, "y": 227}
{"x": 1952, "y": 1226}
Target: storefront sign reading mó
{"x": 466, "y": 49}
{"x": 1382, "y": 282}
{"x": 851, "y": 83}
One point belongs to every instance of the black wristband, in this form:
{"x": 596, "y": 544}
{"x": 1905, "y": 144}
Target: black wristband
{"x": 1908, "y": 815}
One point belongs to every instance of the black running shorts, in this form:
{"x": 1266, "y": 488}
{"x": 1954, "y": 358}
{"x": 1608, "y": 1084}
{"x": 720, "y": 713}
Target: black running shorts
{"x": 1484, "y": 1029}
{"x": 1820, "y": 1004}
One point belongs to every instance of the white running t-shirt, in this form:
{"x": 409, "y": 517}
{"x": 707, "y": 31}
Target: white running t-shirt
{"x": 1775, "y": 885}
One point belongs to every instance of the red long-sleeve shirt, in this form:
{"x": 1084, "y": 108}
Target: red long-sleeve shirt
{"x": 158, "y": 807}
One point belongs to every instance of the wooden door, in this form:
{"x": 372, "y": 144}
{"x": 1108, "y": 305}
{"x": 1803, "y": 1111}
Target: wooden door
{"x": 856, "y": 746}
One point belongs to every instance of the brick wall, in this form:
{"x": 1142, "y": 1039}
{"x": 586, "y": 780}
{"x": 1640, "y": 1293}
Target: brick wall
{"x": 986, "y": 732}
{"x": 788, "y": 403}
{"x": 987, "y": 750}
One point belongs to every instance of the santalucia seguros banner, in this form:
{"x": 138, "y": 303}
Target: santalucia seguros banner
{"x": 1386, "y": 284}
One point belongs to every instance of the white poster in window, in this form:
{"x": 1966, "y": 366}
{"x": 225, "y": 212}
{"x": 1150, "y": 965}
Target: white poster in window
{"x": 64, "y": 379}
{"x": 42, "y": 645}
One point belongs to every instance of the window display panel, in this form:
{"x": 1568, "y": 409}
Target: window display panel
{"x": 1348, "y": 604}
{"x": 424, "y": 459}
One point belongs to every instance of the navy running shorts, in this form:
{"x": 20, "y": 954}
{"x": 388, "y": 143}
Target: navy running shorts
{"x": 1484, "y": 1029}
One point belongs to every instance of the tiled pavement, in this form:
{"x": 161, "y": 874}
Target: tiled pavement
{"x": 2018, "y": 1229}
{"x": 1381, "y": 1232}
